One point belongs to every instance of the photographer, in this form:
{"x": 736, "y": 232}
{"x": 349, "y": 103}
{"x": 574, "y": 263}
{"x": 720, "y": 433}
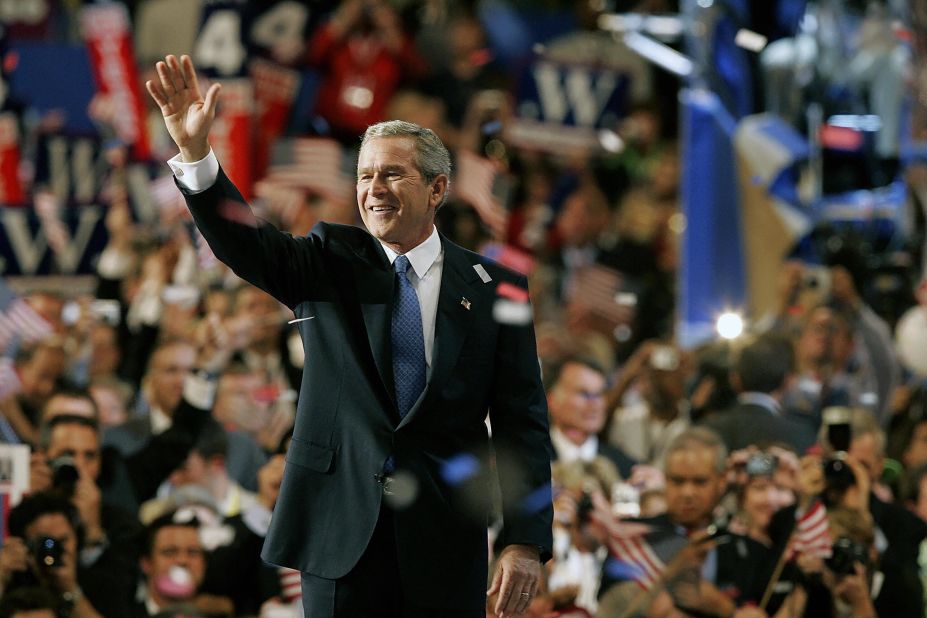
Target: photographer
{"x": 42, "y": 549}
{"x": 707, "y": 577}
{"x": 582, "y": 488}
{"x": 848, "y": 576}
{"x": 898, "y": 531}
{"x": 70, "y": 450}
{"x": 763, "y": 482}
{"x": 864, "y": 352}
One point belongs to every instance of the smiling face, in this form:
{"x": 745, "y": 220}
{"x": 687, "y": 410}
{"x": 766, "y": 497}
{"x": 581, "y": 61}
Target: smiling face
{"x": 396, "y": 203}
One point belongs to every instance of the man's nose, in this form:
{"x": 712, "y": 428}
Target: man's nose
{"x": 378, "y": 184}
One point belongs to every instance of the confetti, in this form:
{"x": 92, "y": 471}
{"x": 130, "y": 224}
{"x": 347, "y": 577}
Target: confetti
{"x": 538, "y": 500}
{"x": 512, "y": 292}
{"x": 401, "y": 490}
{"x": 460, "y": 468}
{"x": 509, "y": 312}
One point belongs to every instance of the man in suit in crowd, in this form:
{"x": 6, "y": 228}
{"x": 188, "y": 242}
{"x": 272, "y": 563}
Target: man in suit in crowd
{"x": 761, "y": 375}
{"x": 406, "y": 360}
{"x": 576, "y": 399}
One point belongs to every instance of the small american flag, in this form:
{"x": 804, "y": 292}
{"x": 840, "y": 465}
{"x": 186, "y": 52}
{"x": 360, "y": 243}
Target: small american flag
{"x": 476, "y": 178}
{"x": 600, "y": 290}
{"x": 168, "y": 197}
{"x": 812, "y": 533}
{"x": 18, "y": 321}
{"x": 316, "y": 165}
{"x": 9, "y": 380}
{"x": 641, "y": 558}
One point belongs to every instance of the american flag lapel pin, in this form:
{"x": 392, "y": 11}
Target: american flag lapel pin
{"x": 465, "y": 303}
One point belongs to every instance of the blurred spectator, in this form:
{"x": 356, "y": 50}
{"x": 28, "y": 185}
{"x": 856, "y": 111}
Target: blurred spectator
{"x": 174, "y": 565}
{"x": 254, "y": 425}
{"x": 112, "y": 397}
{"x": 764, "y": 482}
{"x": 761, "y": 374}
{"x": 579, "y": 554}
{"x": 645, "y": 426}
{"x": 105, "y": 352}
{"x": 703, "y": 578}
{"x": 29, "y": 602}
{"x": 127, "y": 480}
{"x": 205, "y": 468}
{"x": 576, "y": 400}
{"x": 257, "y": 329}
{"x": 108, "y": 557}
{"x": 899, "y": 533}
{"x": 709, "y": 390}
{"x": 463, "y": 65}
{"x": 43, "y": 549}
{"x": 864, "y": 351}
{"x": 843, "y": 585}
{"x": 40, "y": 366}
{"x": 236, "y": 569}
{"x": 167, "y": 380}
{"x": 364, "y": 54}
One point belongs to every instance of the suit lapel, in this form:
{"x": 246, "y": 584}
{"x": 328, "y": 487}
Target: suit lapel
{"x": 452, "y": 322}
{"x": 374, "y": 289}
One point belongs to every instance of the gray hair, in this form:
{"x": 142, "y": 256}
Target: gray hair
{"x": 700, "y": 438}
{"x": 431, "y": 156}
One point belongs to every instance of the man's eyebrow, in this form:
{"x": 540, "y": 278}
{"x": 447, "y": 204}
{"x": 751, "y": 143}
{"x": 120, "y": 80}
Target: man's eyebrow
{"x": 392, "y": 167}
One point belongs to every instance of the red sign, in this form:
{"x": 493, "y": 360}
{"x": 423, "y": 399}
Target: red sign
{"x": 11, "y": 188}
{"x": 274, "y": 89}
{"x": 230, "y": 135}
{"x": 108, "y": 36}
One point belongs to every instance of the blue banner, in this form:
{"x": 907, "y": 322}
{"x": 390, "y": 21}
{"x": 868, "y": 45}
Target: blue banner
{"x": 712, "y": 272}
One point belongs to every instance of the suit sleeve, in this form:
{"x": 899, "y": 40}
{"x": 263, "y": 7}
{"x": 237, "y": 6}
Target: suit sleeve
{"x": 521, "y": 439}
{"x": 255, "y": 250}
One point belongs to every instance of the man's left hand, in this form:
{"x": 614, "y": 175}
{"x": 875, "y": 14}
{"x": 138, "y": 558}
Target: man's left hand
{"x": 517, "y": 576}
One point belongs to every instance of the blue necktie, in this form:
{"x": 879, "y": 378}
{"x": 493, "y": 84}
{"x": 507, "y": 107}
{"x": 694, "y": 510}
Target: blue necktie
{"x": 408, "y": 341}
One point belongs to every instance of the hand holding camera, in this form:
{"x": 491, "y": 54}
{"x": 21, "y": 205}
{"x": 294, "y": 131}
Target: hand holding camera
{"x": 14, "y": 558}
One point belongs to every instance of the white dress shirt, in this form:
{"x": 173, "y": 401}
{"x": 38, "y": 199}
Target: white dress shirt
{"x": 427, "y": 259}
{"x": 567, "y": 451}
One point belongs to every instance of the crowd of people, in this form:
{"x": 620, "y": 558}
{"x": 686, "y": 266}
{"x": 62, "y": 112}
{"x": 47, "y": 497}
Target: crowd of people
{"x": 781, "y": 473}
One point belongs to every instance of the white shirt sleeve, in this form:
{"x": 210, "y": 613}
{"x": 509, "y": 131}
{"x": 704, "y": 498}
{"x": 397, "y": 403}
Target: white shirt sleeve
{"x": 198, "y": 176}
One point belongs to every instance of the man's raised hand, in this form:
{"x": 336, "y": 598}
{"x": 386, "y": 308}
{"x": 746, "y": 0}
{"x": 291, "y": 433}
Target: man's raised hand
{"x": 187, "y": 115}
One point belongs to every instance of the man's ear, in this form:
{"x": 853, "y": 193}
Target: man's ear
{"x": 439, "y": 187}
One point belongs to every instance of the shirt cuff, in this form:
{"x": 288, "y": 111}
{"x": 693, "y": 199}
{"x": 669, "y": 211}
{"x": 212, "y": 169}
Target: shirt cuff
{"x": 198, "y": 176}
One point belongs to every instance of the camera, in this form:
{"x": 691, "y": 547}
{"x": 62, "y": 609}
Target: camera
{"x": 584, "y": 508}
{"x": 64, "y": 474}
{"x": 845, "y": 553}
{"x": 48, "y": 551}
{"x": 626, "y": 500}
{"x": 761, "y": 464}
{"x": 838, "y": 476}
{"x": 818, "y": 279}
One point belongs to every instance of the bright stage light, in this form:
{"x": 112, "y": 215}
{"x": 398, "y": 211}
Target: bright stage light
{"x": 730, "y": 325}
